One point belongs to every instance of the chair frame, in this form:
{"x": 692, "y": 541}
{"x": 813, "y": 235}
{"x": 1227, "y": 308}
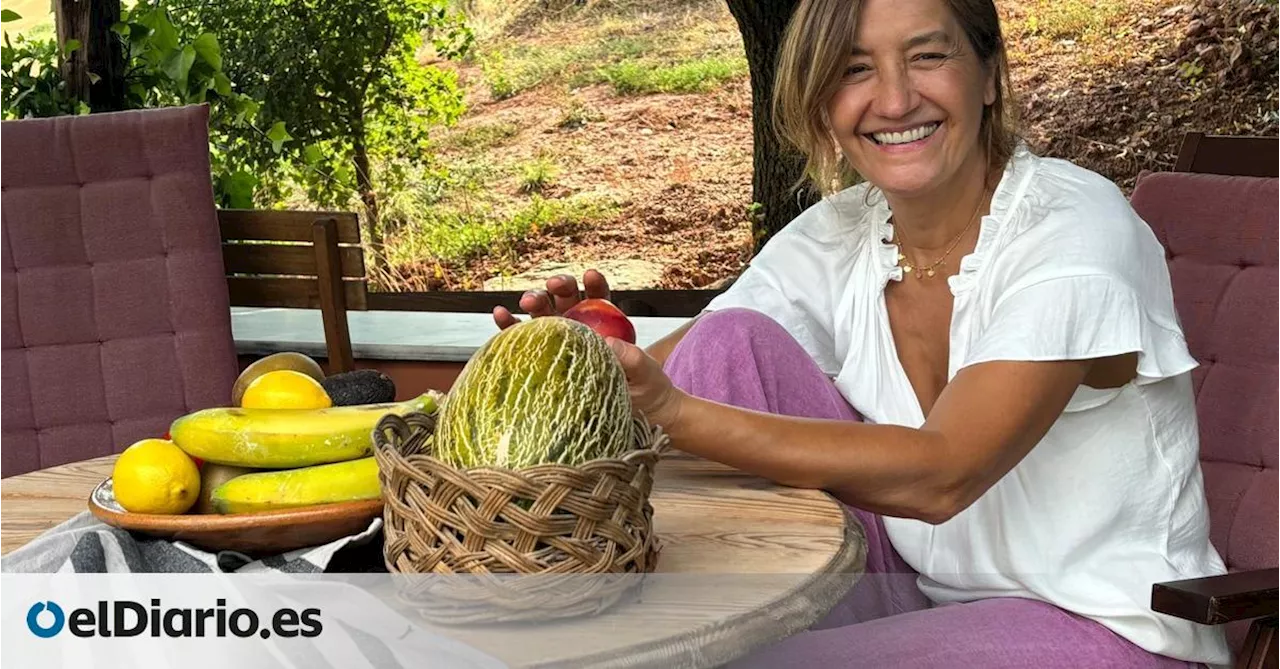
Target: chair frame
{"x": 1240, "y": 595}
{"x": 303, "y": 259}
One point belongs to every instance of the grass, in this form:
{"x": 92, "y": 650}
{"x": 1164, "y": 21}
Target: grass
{"x": 452, "y": 237}
{"x": 537, "y": 174}
{"x": 1079, "y": 20}
{"x": 697, "y": 76}
{"x": 483, "y": 136}
{"x": 689, "y": 51}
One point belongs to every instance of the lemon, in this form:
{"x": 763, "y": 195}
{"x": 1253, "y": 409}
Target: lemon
{"x": 285, "y": 389}
{"x": 155, "y": 476}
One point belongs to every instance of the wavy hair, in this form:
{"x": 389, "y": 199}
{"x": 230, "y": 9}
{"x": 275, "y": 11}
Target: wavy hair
{"x": 811, "y": 61}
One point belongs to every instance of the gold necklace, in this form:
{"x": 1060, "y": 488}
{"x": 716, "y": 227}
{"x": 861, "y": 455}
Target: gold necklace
{"x": 930, "y": 270}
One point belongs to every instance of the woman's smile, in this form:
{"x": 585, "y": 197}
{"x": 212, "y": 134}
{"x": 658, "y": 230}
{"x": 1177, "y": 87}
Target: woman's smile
{"x": 901, "y": 140}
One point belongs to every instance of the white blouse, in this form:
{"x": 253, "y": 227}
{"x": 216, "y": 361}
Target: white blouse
{"x": 1111, "y": 500}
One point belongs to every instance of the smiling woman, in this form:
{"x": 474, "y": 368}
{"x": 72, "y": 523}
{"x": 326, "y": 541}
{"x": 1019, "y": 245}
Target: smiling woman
{"x": 975, "y": 348}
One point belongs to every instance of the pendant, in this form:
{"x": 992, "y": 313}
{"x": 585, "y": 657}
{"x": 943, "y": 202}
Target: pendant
{"x": 907, "y": 268}
{"x": 930, "y": 273}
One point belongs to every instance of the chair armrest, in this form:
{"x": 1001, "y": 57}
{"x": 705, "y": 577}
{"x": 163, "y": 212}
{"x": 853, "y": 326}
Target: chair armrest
{"x": 1218, "y": 599}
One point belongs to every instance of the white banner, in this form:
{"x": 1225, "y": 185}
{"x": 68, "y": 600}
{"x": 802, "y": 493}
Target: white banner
{"x": 194, "y": 621}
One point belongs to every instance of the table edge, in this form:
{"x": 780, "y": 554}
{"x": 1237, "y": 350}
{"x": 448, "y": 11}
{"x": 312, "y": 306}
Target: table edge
{"x": 756, "y": 625}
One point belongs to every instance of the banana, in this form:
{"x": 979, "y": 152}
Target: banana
{"x": 287, "y": 438}
{"x": 307, "y": 486}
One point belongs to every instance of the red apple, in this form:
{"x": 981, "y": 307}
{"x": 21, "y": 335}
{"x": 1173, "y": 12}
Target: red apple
{"x": 603, "y": 317}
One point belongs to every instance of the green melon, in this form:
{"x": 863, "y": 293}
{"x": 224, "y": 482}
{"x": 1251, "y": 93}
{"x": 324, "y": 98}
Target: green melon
{"x": 548, "y": 390}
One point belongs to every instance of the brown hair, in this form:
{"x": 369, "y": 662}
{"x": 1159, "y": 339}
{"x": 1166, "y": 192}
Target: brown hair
{"x": 815, "y": 50}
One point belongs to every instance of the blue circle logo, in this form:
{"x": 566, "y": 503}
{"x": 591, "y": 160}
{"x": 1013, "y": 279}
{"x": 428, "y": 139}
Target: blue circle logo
{"x": 45, "y": 631}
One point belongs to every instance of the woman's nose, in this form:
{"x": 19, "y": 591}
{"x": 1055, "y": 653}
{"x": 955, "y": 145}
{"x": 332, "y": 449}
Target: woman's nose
{"x": 895, "y": 95}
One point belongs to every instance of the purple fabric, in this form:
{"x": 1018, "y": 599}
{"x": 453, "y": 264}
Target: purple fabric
{"x": 1220, "y": 234}
{"x": 743, "y": 358}
{"x": 115, "y": 310}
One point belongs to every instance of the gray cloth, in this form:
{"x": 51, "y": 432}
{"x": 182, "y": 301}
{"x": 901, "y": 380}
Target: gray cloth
{"x": 361, "y": 631}
{"x": 84, "y": 544}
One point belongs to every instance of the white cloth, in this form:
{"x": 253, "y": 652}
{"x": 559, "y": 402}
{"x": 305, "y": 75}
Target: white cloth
{"x": 1111, "y": 500}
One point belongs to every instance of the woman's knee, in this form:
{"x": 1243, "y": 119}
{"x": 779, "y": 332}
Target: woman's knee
{"x": 729, "y": 327}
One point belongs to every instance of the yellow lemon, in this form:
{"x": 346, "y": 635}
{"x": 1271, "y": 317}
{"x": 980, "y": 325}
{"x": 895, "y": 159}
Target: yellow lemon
{"x": 155, "y": 476}
{"x": 285, "y": 389}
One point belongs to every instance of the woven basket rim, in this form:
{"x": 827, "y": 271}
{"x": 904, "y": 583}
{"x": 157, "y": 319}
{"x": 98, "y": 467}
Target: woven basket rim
{"x": 656, "y": 443}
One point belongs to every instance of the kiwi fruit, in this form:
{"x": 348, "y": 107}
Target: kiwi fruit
{"x": 276, "y": 361}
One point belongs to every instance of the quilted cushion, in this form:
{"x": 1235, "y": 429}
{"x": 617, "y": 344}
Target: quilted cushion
{"x": 116, "y": 317}
{"x": 1220, "y": 236}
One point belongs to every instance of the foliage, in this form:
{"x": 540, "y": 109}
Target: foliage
{"x": 343, "y": 78}
{"x": 698, "y": 76}
{"x": 162, "y": 68}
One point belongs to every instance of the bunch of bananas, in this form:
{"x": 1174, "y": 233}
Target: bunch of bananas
{"x": 284, "y": 442}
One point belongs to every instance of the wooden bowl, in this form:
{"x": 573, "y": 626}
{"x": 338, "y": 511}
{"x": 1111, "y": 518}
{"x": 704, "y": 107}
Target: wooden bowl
{"x": 261, "y": 533}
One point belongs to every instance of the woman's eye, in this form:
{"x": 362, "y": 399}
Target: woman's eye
{"x": 931, "y": 56}
{"x": 855, "y": 70}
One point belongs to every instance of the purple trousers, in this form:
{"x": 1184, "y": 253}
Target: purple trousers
{"x": 745, "y": 359}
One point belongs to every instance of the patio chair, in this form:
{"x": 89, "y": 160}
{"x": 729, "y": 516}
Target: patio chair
{"x": 301, "y": 259}
{"x": 1220, "y": 234}
{"x": 116, "y": 319}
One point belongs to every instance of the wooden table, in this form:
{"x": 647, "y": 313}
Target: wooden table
{"x": 744, "y": 563}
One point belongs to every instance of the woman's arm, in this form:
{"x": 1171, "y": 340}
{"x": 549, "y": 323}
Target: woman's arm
{"x": 985, "y": 421}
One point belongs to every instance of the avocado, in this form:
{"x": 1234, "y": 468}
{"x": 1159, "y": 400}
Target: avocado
{"x": 362, "y": 386}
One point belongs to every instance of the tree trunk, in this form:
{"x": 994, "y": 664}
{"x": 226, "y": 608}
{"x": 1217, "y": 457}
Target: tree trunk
{"x": 364, "y": 184}
{"x": 89, "y": 23}
{"x": 775, "y": 168}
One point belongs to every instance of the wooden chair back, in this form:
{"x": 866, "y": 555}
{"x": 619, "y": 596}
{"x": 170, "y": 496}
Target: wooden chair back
{"x": 301, "y": 259}
{"x": 1227, "y": 155}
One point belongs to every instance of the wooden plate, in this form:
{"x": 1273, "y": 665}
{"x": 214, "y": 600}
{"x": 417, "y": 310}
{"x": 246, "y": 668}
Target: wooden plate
{"x": 266, "y": 532}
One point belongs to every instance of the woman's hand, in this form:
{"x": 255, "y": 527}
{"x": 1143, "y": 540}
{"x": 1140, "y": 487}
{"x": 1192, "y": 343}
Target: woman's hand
{"x": 652, "y": 392}
{"x": 560, "y": 295}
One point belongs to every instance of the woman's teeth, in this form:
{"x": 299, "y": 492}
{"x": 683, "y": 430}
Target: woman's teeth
{"x": 913, "y": 135}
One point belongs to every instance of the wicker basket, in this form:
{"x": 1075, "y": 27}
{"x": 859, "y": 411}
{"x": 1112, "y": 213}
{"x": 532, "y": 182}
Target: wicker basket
{"x": 584, "y": 532}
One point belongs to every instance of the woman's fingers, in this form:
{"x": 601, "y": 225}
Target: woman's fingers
{"x": 595, "y": 284}
{"x": 564, "y": 291}
{"x": 504, "y": 318}
{"x": 560, "y": 295}
{"x": 536, "y": 303}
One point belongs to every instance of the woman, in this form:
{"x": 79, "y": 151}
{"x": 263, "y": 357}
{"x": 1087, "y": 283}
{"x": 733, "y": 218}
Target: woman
{"x": 976, "y": 349}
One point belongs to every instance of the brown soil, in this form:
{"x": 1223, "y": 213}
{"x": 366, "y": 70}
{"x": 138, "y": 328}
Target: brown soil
{"x": 680, "y": 165}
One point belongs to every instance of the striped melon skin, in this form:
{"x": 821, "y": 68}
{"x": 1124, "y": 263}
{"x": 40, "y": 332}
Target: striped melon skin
{"x": 548, "y": 390}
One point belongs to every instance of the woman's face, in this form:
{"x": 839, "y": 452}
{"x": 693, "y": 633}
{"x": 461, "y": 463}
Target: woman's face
{"x": 908, "y": 109}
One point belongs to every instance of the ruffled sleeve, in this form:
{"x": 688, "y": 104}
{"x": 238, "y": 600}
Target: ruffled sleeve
{"x": 1082, "y": 317}
{"x": 1078, "y": 275}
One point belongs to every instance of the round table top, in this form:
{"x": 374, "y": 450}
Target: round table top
{"x": 744, "y": 562}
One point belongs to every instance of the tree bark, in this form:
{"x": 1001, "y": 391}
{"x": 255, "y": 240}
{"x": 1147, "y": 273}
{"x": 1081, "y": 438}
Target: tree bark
{"x": 364, "y": 184}
{"x": 775, "y": 168}
{"x": 100, "y": 55}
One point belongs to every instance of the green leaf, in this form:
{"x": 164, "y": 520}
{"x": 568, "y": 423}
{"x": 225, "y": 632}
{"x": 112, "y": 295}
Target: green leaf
{"x": 120, "y": 28}
{"x": 179, "y": 65}
{"x": 165, "y": 37}
{"x": 93, "y": 78}
{"x": 221, "y": 84}
{"x": 278, "y": 136}
{"x": 206, "y": 45}
{"x": 312, "y": 154}
{"x": 7, "y": 15}
{"x": 237, "y": 189}
{"x": 70, "y": 46}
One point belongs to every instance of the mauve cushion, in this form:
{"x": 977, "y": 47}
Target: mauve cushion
{"x": 116, "y": 318}
{"x": 1220, "y": 236}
